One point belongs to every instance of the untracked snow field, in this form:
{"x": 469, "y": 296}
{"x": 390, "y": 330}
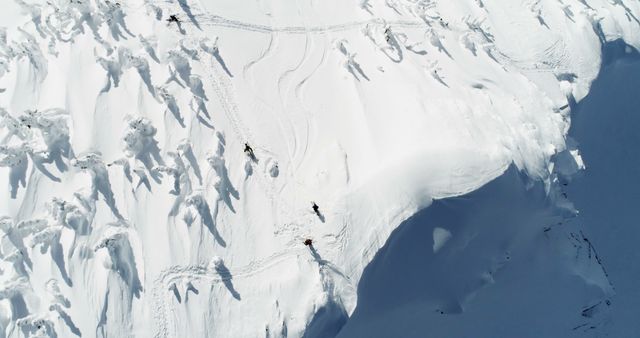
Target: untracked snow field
{"x": 159, "y": 160}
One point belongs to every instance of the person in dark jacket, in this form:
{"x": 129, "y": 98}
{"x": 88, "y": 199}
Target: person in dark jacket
{"x": 249, "y": 151}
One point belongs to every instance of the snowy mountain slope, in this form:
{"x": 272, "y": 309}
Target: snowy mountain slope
{"x": 131, "y": 210}
{"x": 592, "y": 291}
{"x": 536, "y": 276}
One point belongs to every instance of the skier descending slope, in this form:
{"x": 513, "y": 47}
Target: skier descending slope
{"x": 249, "y": 151}
{"x": 316, "y": 210}
{"x": 173, "y": 18}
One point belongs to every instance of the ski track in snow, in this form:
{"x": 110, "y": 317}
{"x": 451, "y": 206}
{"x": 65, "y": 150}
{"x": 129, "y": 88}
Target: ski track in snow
{"x": 224, "y": 91}
{"x": 555, "y": 54}
{"x": 553, "y": 58}
{"x": 551, "y": 53}
{"x": 255, "y": 99}
{"x": 218, "y": 21}
{"x": 265, "y": 53}
{"x": 308, "y": 48}
{"x": 211, "y": 20}
{"x": 298, "y": 96}
{"x": 190, "y": 273}
{"x": 174, "y": 274}
{"x": 286, "y": 111}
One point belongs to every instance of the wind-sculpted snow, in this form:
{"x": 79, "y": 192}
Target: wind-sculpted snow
{"x": 222, "y": 168}
{"x": 42, "y": 137}
{"x": 50, "y": 127}
{"x": 139, "y": 142}
{"x": 100, "y": 184}
{"x": 222, "y": 183}
{"x": 121, "y": 259}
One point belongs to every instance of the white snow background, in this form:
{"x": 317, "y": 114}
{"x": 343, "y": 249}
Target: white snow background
{"x": 475, "y": 165}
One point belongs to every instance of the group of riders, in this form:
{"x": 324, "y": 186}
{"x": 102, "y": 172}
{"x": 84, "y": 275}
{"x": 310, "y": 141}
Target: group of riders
{"x": 249, "y": 151}
{"x": 316, "y": 209}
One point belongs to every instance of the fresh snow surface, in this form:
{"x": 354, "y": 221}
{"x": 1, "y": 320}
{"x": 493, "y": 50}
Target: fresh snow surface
{"x": 456, "y": 198}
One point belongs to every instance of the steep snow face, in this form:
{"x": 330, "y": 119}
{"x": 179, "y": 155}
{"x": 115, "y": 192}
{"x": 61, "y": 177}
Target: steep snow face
{"x": 513, "y": 266}
{"x": 161, "y": 158}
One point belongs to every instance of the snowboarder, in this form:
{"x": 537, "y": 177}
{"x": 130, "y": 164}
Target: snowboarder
{"x": 308, "y": 242}
{"x": 173, "y": 18}
{"x": 316, "y": 210}
{"x": 249, "y": 151}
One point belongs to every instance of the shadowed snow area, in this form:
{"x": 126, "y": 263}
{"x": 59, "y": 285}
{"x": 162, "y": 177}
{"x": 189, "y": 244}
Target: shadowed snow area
{"x": 502, "y": 272}
{"x": 605, "y": 125}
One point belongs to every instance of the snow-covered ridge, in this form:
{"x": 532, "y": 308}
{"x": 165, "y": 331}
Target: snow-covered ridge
{"x": 132, "y": 209}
